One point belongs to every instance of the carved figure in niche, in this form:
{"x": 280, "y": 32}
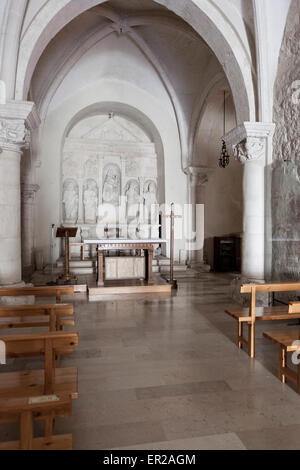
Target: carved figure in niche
{"x": 132, "y": 193}
{"x": 111, "y": 185}
{"x": 70, "y": 201}
{"x": 90, "y": 201}
{"x": 150, "y": 202}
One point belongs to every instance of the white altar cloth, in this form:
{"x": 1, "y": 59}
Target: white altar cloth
{"x": 106, "y": 241}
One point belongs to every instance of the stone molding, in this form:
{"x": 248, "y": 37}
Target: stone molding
{"x": 17, "y": 119}
{"x": 249, "y": 140}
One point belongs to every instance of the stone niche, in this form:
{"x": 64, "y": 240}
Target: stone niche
{"x": 109, "y": 180}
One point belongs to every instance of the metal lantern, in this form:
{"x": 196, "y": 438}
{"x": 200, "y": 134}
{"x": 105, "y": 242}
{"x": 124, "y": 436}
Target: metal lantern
{"x": 224, "y": 157}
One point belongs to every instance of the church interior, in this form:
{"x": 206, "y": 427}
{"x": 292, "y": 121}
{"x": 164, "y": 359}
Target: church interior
{"x": 149, "y": 197}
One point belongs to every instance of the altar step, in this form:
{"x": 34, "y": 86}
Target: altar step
{"x": 160, "y": 265}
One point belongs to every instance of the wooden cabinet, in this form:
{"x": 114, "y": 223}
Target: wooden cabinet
{"x": 227, "y": 254}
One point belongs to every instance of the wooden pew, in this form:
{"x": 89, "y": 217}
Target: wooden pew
{"x": 53, "y": 316}
{"x": 38, "y": 291}
{"x": 49, "y": 381}
{"x": 294, "y": 307}
{"x": 253, "y": 314}
{"x": 26, "y": 411}
{"x": 288, "y": 341}
{"x": 20, "y": 389}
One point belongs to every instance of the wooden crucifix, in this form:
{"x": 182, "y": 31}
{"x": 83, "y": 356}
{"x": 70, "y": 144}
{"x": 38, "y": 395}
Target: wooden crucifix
{"x": 172, "y": 216}
{"x": 66, "y": 233}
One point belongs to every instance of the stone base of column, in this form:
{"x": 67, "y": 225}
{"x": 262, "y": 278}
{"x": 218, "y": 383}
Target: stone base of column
{"x": 200, "y": 267}
{"x": 196, "y": 261}
{"x": 262, "y": 298}
{"x": 21, "y": 300}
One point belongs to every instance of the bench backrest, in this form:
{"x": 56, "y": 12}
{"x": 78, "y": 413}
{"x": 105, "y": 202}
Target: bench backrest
{"x": 294, "y": 307}
{"x": 44, "y": 291}
{"x": 271, "y": 287}
{"x": 46, "y": 344}
{"x": 15, "y": 315}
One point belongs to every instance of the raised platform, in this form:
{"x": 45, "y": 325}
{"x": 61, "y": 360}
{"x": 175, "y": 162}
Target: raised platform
{"x": 160, "y": 264}
{"x": 130, "y": 287}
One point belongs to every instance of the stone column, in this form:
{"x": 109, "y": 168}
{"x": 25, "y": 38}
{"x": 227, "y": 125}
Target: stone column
{"x": 197, "y": 178}
{"x": 28, "y": 192}
{"x": 16, "y": 120}
{"x": 252, "y": 146}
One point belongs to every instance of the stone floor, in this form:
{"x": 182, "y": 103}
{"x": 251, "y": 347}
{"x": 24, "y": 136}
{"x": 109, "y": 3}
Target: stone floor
{"x": 165, "y": 373}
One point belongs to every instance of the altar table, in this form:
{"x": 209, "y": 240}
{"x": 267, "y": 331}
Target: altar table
{"x": 124, "y": 244}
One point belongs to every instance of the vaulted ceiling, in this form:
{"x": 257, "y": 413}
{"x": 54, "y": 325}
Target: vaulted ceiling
{"x": 180, "y": 54}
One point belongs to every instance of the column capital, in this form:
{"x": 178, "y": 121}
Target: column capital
{"x": 249, "y": 140}
{"x": 198, "y": 175}
{"x": 17, "y": 119}
{"x": 28, "y": 192}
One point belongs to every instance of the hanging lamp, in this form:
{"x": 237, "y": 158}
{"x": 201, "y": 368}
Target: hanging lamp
{"x": 224, "y": 157}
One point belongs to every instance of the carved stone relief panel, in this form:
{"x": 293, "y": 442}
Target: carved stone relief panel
{"x": 111, "y": 191}
{"x": 150, "y": 202}
{"x": 133, "y": 199}
{"x": 70, "y": 201}
{"x": 91, "y": 167}
{"x": 109, "y": 164}
{"x": 90, "y": 201}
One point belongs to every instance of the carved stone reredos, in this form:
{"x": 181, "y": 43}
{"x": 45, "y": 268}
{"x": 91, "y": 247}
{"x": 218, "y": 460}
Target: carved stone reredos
{"x": 114, "y": 153}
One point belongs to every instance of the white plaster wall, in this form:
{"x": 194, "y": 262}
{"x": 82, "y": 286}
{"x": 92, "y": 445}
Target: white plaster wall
{"x": 223, "y": 193}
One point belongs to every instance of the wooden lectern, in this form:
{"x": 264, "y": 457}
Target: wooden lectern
{"x": 66, "y": 233}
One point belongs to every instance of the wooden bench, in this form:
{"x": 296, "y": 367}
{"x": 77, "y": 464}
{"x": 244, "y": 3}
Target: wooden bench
{"x": 294, "y": 307}
{"x": 26, "y": 411}
{"x": 252, "y": 314}
{"x": 286, "y": 343}
{"x": 53, "y": 316}
{"x": 38, "y": 291}
{"x": 49, "y": 381}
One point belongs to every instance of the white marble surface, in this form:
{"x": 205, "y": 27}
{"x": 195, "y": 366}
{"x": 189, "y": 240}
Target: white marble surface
{"x": 124, "y": 267}
{"x": 123, "y": 240}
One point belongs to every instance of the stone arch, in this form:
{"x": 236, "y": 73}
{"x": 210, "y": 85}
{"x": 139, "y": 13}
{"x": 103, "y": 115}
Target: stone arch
{"x": 100, "y": 97}
{"x": 207, "y": 20}
{"x": 137, "y": 117}
{"x": 77, "y": 53}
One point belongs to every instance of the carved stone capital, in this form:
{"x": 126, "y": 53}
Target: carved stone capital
{"x": 13, "y": 133}
{"x": 252, "y": 148}
{"x": 17, "y": 119}
{"x": 249, "y": 140}
{"x": 198, "y": 175}
{"x": 28, "y": 192}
